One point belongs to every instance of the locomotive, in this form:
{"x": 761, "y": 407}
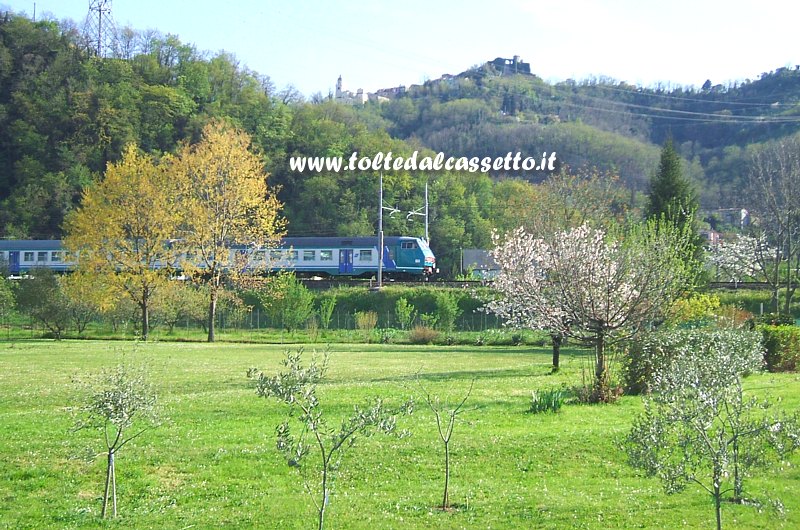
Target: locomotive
{"x": 403, "y": 257}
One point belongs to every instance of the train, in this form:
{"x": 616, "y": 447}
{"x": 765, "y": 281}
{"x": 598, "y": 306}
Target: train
{"x": 354, "y": 257}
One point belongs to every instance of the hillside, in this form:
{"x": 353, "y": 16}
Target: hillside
{"x": 64, "y": 114}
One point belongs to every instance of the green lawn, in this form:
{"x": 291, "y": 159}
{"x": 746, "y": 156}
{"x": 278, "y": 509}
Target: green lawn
{"x": 214, "y": 464}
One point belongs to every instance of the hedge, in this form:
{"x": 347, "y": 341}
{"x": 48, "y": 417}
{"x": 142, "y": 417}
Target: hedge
{"x": 782, "y": 344}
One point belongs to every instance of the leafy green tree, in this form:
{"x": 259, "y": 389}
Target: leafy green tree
{"x": 179, "y": 301}
{"x": 325, "y": 311}
{"x": 406, "y": 313}
{"x": 6, "y": 298}
{"x": 672, "y": 196}
{"x": 41, "y": 297}
{"x": 287, "y": 301}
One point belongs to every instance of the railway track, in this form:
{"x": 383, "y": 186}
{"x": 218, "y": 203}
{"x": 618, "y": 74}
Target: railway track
{"x": 330, "y": 283}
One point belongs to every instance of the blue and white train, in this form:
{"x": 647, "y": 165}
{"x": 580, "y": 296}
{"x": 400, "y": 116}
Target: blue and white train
{"x": 403, "y": 257}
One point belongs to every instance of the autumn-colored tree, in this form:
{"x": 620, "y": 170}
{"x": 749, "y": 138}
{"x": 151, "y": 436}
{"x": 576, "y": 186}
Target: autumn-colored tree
{"x": 228, "y": 213}
{"x": 124, "y": 226}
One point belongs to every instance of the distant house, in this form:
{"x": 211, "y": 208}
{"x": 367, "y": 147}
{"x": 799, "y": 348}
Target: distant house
{"x": 736, "y": 217}
{"x": 479, "y": 264}
{"x": 711, "y": 238}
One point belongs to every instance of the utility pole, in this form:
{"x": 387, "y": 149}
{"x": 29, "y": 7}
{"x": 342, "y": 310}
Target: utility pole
{"x": 423, "y": 212}
{"x": 99, "y": 27}
{"x": 392, "y": 211}
{"x": 380, "y": 235}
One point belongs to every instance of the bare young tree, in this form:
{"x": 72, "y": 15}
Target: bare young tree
{"x": 775, "y": 195}
{"x": 445, "y": 422}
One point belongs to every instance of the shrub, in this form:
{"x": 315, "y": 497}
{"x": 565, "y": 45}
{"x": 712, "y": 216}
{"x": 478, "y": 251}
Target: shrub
{"x": 732, "y": 316}
{"x": 697, "y": 310}
{"x": 326, "y": 306}
{"x": 547, "y": 400}
{"x": 366, "y": 320}
{"x": 406, "y": 313}
{"x": 775, "y": 319}
{"x": 447, "y": 310}
{"x": 782, "y": 344}
{"x": 655, "y": 352}
{"x": 423, "y": 335}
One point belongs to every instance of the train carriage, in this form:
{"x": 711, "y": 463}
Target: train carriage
{"x": 403, "y": 257}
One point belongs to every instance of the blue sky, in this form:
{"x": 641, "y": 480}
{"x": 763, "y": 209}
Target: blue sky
{"x": 382, "y": 44}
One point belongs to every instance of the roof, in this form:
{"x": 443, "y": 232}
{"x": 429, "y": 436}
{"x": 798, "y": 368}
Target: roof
{"x": 299, "y": 242}
{"x": 317, "y": 242}
{"x": 29, "y": 244}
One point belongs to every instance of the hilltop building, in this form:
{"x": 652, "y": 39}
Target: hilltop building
{"x": 347, "y": 97}
{"x": 511, "y": 66}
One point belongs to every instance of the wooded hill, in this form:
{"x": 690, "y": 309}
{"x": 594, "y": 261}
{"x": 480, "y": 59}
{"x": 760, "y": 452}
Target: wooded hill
{"x": 64, "y": 114}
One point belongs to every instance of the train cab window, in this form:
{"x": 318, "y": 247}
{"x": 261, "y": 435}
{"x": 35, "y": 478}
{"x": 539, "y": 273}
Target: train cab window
{"x": 309, "y": 255}
{"x": 326, "y": 255}
{"x": 27, "y": 256}
{"x": 41, "y": 256}
{"x": 365, "y": 255}
{"x": 55, "y": 257}
{"x": 408, "y": 244}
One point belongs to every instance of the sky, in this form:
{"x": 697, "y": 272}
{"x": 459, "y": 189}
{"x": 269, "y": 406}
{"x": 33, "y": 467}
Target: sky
{"x": 381, "y": 44}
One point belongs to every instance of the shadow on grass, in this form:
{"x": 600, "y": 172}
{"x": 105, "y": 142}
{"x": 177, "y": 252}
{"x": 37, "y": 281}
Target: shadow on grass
{"x": 468, "y": 375}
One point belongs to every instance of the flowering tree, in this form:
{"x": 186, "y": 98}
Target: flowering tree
{"x": 743, "y": 257}
{"x": 592, "y": 285}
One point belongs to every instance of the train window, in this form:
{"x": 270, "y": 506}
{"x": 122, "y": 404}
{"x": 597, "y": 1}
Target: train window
{"x": 326, "y": 255}
{"x": 28, "y": 256}
{"x": 366, "y": 255}
{"x": 275, "y": 255}
{"x": 293, "y": 255}
{"x": 309, "y": 255}
{"x": 408, "y": 244}
{"x": 259, "y": 255}
{"x": 41, "y": 256}
{"x": 55, "y": 257}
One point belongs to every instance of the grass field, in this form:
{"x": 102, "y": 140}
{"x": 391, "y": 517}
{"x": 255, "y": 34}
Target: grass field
{"x": 214, "y": 464}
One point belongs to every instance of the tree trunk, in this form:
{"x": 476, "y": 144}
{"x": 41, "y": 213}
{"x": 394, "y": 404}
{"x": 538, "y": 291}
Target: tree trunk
{"x": 114, "y": 483}
{"x": 777, "y": 281}
{"x": 109, "y": 466}
{"x": 111, "y": 486}
{"x": 324, "y": 498}
{"x": 718, "y": 504}
{"x": 738, "y": 487}
{"x": 446, "y": 498}
{"x": 145, "y": 319}
{"x": 557, "y": 339}
{"x": 212, "y": 314}
{"x": 600, "y": 360}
